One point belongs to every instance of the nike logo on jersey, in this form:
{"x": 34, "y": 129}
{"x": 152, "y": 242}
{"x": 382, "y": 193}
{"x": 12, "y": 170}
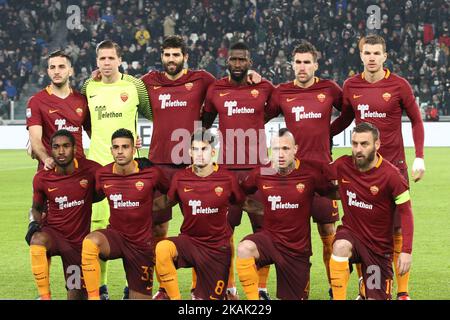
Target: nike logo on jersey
{"x": 290, "y": 99}
{"x": 52, "y": 189}
{"x": 356, "y": 96}
{"x": 156, "y": 87}
{"x": 106, "y": 186}
{"x": 267, "y": 187}
{"x": 345, "y": 181}
{"x": 53, "y": 111}
{"x": 224, "y": 94}
{"x": 334, "y": 214}
{"x": 187, "y": 189}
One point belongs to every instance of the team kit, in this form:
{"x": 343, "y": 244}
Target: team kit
{"x": 112, "y": 204}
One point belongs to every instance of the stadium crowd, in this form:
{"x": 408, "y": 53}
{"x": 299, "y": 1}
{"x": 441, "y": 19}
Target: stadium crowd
{"x": 416, "y": 31}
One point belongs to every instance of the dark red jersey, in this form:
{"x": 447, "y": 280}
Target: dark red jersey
{"x": 287, "y": 202}
{"x": 68, "y": 198}
{"x": 176, "y": 105}
{"x": 382, "y": 104}
{"x": 369, "y": 200}
{"x": 307, "y": 112}
{"x": 204, "y": 202}
{"x": 53, "y": 113}
{"x": 130, "y": 200}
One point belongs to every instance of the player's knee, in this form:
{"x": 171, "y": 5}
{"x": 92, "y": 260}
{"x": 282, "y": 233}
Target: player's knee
{"x": 39, "y": 239}
{"x": 160, "y": 230}
{"x": 326, "y": 229}
{"x": 397, "y": 231}
{"x": 90, "y": 246}
{"x": 246, "y": 249}
{"x": 165, "y": 250}
{"x": 342, "y": 248}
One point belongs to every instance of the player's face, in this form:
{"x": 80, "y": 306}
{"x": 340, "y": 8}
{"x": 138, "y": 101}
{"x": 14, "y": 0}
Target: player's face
{"x": 239, "y": 63}
{"x": 108, "y": 62}
{"x": 364, "y": 148}
{"x": 173, "y": 60}
{"x": 59, "y": 71}
{"x": 201, "y": 153}
{"x": 304, "y": 67}
{"x": 373, "y": 57}
{"x": 63, "y": 151}
{"x": 283, "y": 151}
{"x": 123, "y": 151}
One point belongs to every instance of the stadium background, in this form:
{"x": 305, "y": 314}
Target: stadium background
{"x": 418, "y": 49}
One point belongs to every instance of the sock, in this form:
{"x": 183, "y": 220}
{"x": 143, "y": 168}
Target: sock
{"x": 327, "y": 250}
{"x": 165, "y": 268}
{"x": 40, "y": 269}
{"x": 231, "y": 280}
{"x": 402, "y": 281}
{"x": 248, "y": 276}
{"x": 340, "y": 274}
{"x": 156, "y": 240}
{"x": 263, "y": 274}
{"x": 90, "y": 263}
{"x": 194, "y": 279}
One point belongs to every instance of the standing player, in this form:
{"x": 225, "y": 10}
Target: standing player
{"x": 205, "y": 192}
{"x": 372, "y": 192}
{"x": 379, "y": 97}
{"x": 307, "y": 104}
{"x": 56, "y": 107}
{"x": 67, "y": 193}
{"x": 241, "y": 108}
{"x": 285, "y": 239}
{"x": 114, "y": 102}
{"x": 129, "y": 189}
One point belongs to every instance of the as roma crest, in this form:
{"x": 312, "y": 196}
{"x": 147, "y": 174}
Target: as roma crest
{"x": 321, "y": 97}
{"x": 300, "y": 187}
{"x": 84, "y": 183}
{"x": 139, "y": 185}
{"x": 387, "y": 96}
{"x": 79, "y": 112}
{"x": 124, "y": 96}
{"x": 189, "y": 86}
{"x": 254, "y": 93}
{"x": 374, "y": 190}
{"x": 218, "y": 191}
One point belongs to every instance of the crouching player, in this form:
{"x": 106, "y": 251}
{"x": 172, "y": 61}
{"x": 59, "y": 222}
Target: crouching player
{"x": 205, "y": 192}
{"x": 67, "y": 192}
{"x": 128, "y": 185}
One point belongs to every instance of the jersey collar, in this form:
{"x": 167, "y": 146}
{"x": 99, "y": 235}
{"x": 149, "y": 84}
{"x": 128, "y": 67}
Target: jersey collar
{"x": 387, "y": 74}
{"x": 50, "y": 92}
{"x": 136, "y": 167}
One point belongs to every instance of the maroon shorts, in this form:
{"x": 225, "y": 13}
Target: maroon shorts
{"x": 376, "y": 268}
{"x": 324, "y": 210}
{"x": 397, "y": 220}
{"x": 212, "y": 266}
{"x": 292, "y": 271}
{"x": 70, "y": 255}
{"x": 138, "y": 262}
{"x": 235, "y": 211}
{"x": 165, "y": 215}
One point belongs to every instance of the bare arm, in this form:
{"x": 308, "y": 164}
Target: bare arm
{"x": 35, "y": 133}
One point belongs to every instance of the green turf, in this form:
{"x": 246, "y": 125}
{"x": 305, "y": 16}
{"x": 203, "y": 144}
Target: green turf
{"x": 430, "y": 277}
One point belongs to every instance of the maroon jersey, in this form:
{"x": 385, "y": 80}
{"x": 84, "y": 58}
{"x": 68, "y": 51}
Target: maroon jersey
{"x": 307, "y": 112}
{"x": 382, "y": 104}
{"x": 369, "y": 201}
{"x": 287, "y": 203}
{"x": 176, "y": 105}
{"x": 68, "y": 198}
{"x": 204, "y": 202}
{"x": 131, "y": 200}
{"x": 53, "y": 113}
{"x": 241, "y": 108}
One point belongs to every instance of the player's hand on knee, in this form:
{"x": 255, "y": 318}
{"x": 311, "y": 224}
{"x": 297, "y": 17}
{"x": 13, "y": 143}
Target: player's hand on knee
{"x": 33, "y": 227}
{"x": 404, "y": 263}
{"x": 418, "y": 169}
{"x": 49, "y": 163}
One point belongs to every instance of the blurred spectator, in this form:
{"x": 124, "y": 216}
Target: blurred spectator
{"x": 5, "y": 106}
{"x": 169, "y": 25}
{"x": 142, "y": 36}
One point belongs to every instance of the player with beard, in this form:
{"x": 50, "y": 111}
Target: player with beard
{"x": 380, "y": 97}
{"x": 242, "y": 112}
{"x": 372, "y": 191}
{"x": 67, "y": 193}
{"x": 56, "y": 107}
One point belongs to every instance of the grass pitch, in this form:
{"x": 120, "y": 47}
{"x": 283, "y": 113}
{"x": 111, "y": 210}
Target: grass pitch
{"x": 430, "y": 275}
